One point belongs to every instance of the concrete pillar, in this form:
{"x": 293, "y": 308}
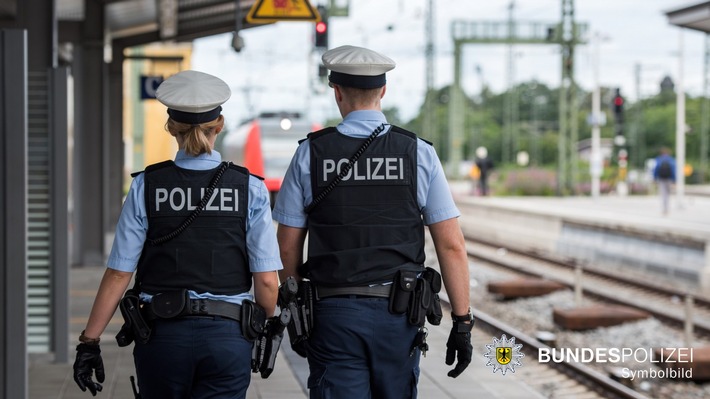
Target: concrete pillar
{"x": 13, "y": 212}
{"x": 90, "y": 144}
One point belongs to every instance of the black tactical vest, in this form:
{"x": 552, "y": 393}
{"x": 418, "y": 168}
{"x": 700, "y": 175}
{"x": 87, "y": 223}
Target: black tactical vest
{"x": 210, "y": 255}
{"x": 370, "y": 225}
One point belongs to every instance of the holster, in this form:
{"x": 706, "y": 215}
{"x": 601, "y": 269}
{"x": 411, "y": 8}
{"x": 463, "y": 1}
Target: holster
{"x": 253, "y": 320}
{"x": 306, "y": 301}
{"x": 298, "y": 299}
{"x": 267, "y": 345}
{"x": 134, "y": 326}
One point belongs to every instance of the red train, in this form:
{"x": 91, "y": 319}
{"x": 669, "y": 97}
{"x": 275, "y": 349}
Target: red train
{"x": 266, "y": 144}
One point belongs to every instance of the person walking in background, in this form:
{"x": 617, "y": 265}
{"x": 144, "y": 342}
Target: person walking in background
{"x": 363, "y": 192}
{"x": 484, "y": 165}
{"x": 199, "y": 232}
{"x": 664, "y": 175}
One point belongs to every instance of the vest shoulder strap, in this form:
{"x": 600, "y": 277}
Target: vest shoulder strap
{"x": 153, "y": 167}
{"x": 408, "y": 133}
{"x": 319, "y": 133}
{"x": 242, "y": 169}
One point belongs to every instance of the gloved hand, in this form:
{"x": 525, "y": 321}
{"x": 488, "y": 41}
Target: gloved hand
{"x": 458, "y": 346}
{"x": 301, "y": 348}
{"x": 88, "y": 360}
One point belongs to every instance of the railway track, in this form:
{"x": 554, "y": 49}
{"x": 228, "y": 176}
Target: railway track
{"x": 552, "y": 380}
{"x": 668, "y": 305}
{"x": 579, "y": 380}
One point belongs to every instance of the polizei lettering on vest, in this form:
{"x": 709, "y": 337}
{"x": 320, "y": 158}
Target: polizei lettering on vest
{"x": 375, "y": 168}
{"x": 180, "y": 199}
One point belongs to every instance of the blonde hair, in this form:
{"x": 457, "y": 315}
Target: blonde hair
{"x": 195, "y": 137}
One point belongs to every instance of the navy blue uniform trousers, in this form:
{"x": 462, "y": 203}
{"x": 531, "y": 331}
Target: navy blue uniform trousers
{"x": 194, "y": 357}
{"x": 359, "y": 350}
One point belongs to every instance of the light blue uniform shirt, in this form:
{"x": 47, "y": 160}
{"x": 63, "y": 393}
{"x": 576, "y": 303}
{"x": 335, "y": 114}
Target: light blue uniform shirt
{"x": 262, "y": 248}
{"x": 433, "y": 195}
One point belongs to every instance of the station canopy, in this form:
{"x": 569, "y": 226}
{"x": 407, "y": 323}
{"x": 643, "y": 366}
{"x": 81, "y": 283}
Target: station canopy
{"x": 694, "y": 16}
{"x": 139, "y": 22}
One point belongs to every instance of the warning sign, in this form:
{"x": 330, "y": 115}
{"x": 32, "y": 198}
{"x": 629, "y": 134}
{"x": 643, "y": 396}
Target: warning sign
{"x": 268, "y": 11}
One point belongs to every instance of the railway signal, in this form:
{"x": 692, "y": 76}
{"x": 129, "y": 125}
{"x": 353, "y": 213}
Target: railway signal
{"x": 617, "y": 105}
{"x": 321, "y": 29}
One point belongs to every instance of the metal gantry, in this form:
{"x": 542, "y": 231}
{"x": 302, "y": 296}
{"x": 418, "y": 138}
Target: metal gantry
{"x": 567, "y": 34}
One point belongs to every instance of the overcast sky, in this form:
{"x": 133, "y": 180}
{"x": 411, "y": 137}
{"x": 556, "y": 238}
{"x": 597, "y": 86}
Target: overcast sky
{"x": 277, "y": 67}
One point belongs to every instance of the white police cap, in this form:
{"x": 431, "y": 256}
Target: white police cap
{"x": 193, "y": 97}
{"x": 359, "y": 67}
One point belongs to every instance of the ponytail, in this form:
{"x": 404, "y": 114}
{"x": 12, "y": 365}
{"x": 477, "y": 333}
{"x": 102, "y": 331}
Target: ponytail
{"x": 195, "y": 137}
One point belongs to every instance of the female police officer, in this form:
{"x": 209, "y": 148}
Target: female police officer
{"x": 212, "y": 261}
{"x": 362, "y": 232}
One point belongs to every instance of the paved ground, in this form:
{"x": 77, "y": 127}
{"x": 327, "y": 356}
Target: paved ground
{"x": 52, "y": 380}
{"x": 48, "y": 380}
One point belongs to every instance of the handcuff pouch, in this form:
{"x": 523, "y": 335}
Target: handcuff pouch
{"x": 169, "y": 304}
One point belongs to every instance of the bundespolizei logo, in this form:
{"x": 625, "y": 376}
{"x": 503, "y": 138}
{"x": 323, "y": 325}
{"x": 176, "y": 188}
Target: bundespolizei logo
{"x": 504, "y": 354}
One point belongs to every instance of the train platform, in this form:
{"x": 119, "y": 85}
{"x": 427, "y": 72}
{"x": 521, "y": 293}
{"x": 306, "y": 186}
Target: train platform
{"x": 642, "y": 212}
{"x": 572, "y": 226}
{"x": 48, "y": 379}
{"x": 622, "y": 232}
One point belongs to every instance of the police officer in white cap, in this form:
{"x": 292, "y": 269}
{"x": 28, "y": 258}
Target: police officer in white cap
{"x": 196, "y": 252}
{"x": 365, "y": 225}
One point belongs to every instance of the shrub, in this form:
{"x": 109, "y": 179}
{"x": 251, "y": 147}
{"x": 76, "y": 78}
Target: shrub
{"x": 531, "y": 181}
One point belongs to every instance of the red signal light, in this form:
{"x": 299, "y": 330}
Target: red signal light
{"x": 321, "y": 27}
{"x": 618, "y": 101}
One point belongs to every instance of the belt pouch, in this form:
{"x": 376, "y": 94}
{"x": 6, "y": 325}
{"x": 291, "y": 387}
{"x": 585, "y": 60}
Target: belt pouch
{"x": 434, "y": 279}
{"x": 434, "y": 313}
{"x": 167, "y": 305}
{"x": 420, "y": 300}
{"x": 402, "y": 287}
{"x": 253, "y": 320}
{"x": 134, "y": 327}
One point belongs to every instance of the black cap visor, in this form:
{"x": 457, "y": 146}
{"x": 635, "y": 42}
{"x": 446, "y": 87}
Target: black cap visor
{"x": 357, "y": 81}
{"x": 194, "y": 118}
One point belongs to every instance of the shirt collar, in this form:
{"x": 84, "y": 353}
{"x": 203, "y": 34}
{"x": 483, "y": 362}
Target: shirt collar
{"x": 200, "y": 162}
{"x": 361, "y": 123}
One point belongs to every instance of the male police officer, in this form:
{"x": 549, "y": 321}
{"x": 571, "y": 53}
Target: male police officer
{"x": 363, "y": 230}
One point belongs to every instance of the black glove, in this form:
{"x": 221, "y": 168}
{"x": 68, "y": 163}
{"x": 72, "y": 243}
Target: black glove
{"x": 459, "y": 345}
{"x": 88, "y": 359}
{"x": 301, "y": 348}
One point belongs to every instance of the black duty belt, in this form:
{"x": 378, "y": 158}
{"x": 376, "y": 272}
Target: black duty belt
{"x": 202, "y": 307}
{"x": 377, "y": 291}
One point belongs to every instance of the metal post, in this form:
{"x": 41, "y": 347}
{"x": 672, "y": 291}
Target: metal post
{"x": 688, "y": 325}
{"x": 705, "y": 113}
{"x": 578, "y": 285}
{"x": 680, "y": 126}
{"x": 455, "y": 116}
{"x": 59, "y": 81}
{"x": 429, "y": 117}
{"x": 595, "y": 164}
